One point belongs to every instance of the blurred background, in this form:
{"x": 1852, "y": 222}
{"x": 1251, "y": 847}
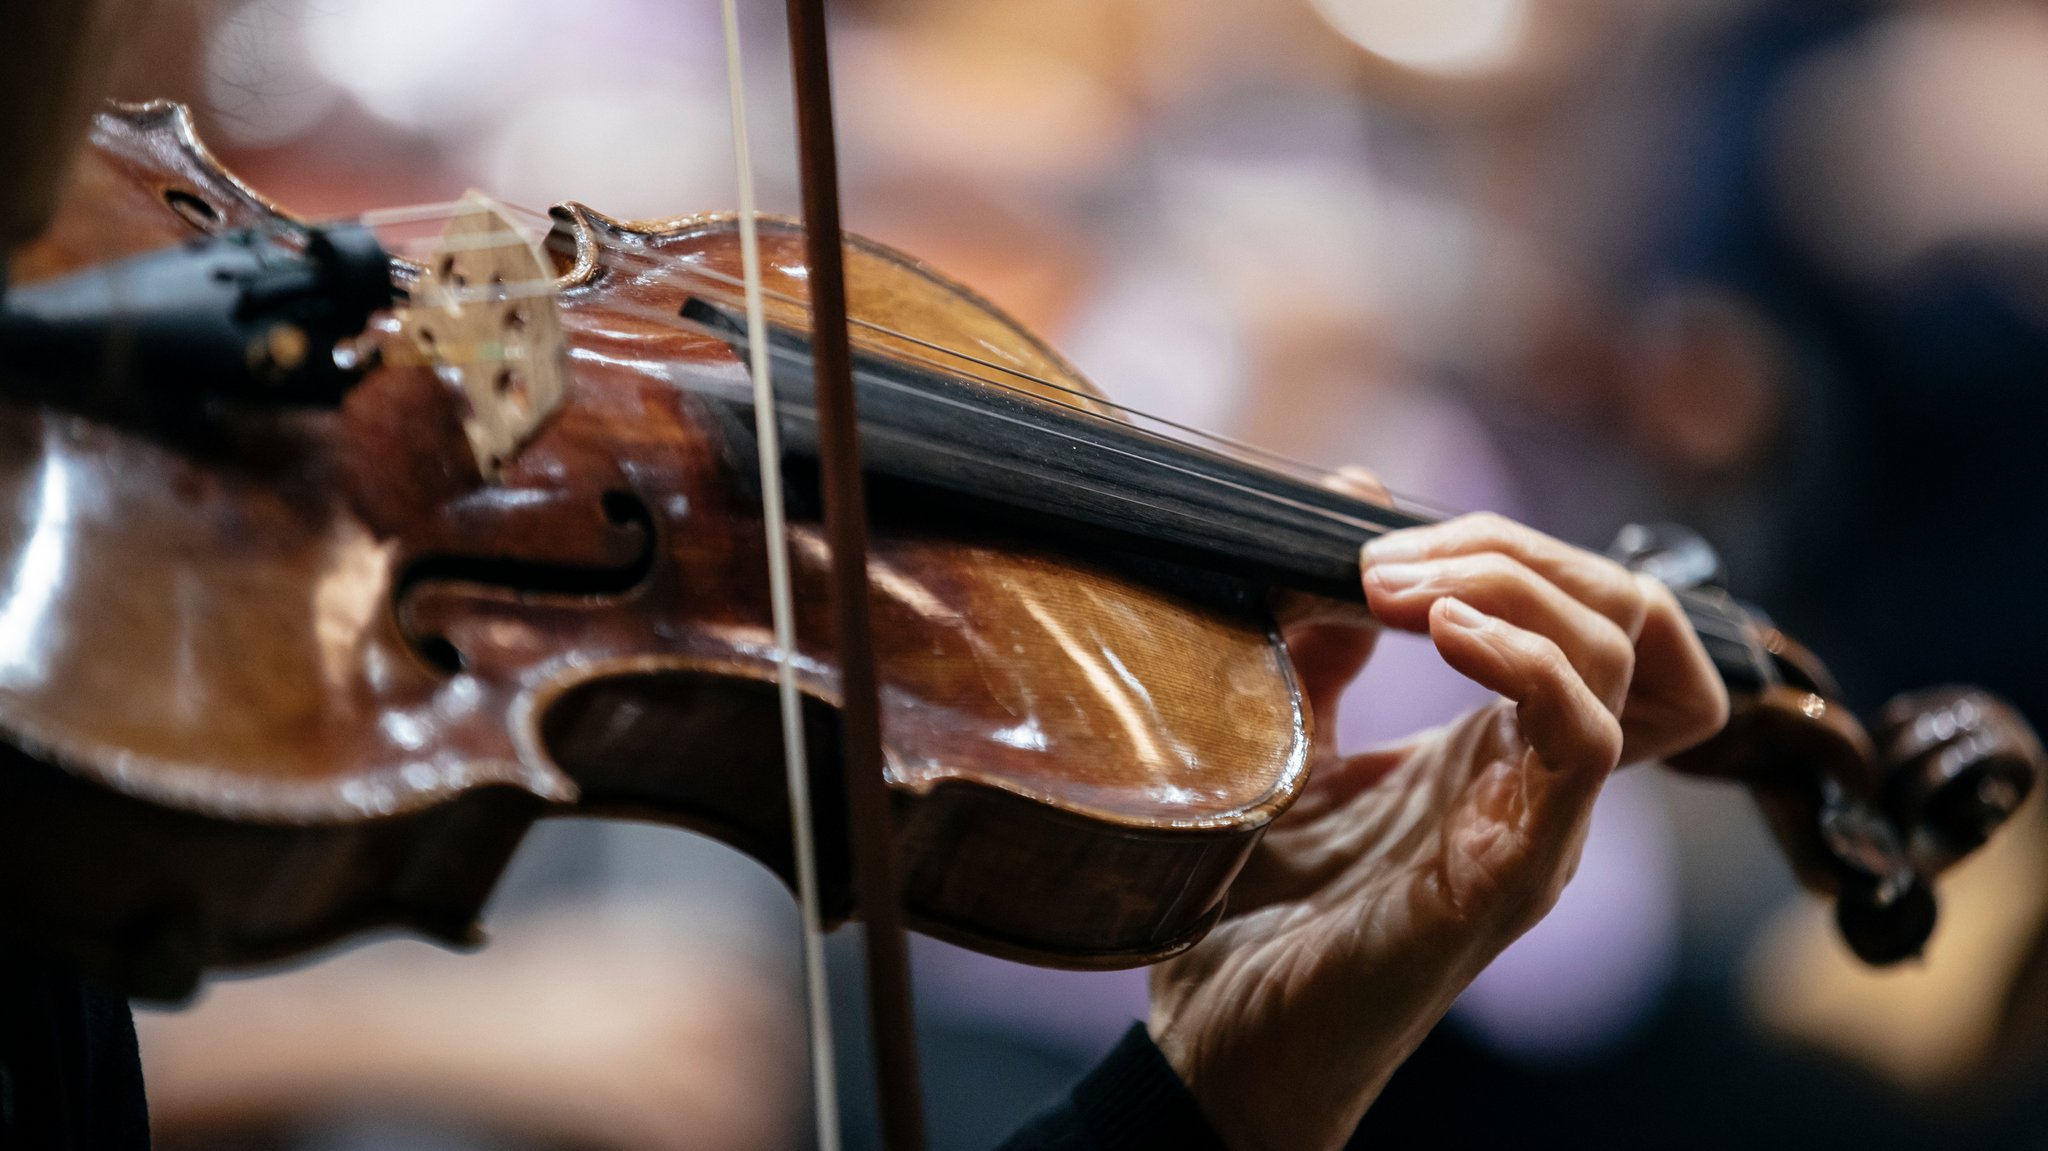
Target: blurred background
{"x": 1774, "y": 268}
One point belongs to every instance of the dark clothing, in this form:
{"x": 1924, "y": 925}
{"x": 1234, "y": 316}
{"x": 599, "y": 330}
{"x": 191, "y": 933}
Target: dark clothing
{"x": 70, "y": 1077}
{"x": 1131, "y": 1101}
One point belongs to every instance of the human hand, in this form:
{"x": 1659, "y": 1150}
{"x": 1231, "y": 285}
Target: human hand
{"x": 1400, "y": 873}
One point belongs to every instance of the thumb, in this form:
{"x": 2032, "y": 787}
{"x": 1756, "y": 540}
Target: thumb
{"x": 1327, "y": 657}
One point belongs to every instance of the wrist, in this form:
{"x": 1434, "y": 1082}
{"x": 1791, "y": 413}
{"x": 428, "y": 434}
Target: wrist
{"x": 1308, "y": 1095}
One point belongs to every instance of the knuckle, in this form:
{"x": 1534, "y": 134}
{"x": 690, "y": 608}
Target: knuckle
{"x": 1489, "y": 529}
{"x": 1547, "y": 663}
{"x": 1631, "y": 594}
{"x": 1543, "y": 902}
{"x": 1616, "y": 652}
{"x": 1491, "y": 578}
{"x": 1713, "y": 712}
{"x": 1545, "y": 892}
{"x": 1604, "y": 740}
{"x": 1489, "y": 521}
{"x": 1655, "y": 598}
{"x": 1591, "y": 738}
{"x": 1495, "y": 572}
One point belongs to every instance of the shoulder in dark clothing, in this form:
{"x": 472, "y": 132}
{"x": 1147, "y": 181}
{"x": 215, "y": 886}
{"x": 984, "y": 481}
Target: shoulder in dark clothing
{"x": 70, "y": 1076}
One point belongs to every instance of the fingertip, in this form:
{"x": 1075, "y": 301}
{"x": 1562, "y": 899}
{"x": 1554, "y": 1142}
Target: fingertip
{"x": 1568, "y": 727}
{"x": 1393, "y": 593}
{"x": 1401, "y": 546}
{"x": 1456, "y": 613}
{"x": 1462, "y": 634}
{"x": 1453, "y": 623}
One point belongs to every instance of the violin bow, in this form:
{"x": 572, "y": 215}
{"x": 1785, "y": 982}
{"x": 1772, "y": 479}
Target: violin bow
{"x": 869, "y": 833}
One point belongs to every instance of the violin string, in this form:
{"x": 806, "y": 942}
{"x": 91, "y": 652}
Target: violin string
{"x": 683, "y": 272}
{"x": 1081, "y": 400}
{"x": 1356, "y": 521}
{"x": 1087, "y": 402}
{"x": 665, "y": 321}
{"x": 503, "y": 291}
{"x": 817, "y": 991}
{"x": 678, "y": 271}
{"x": 1706, "y": 624}
{"x": 794, "y": 358}
{"x": 429, "y": 213}
{"x": 1706, "y": 620}
{"x": 1081, "y": 396}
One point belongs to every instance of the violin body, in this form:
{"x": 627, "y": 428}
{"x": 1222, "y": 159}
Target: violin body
{"x": 319, "y": 674}
{"x": 270, "y": 675}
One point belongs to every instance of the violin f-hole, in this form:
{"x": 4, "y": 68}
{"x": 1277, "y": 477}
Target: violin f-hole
{"x": 629, "y": 522}
{"x": 190, "y": 208}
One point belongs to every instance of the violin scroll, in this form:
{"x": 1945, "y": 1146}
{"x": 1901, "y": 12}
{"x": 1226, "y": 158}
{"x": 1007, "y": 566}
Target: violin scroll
{"x": 1873, "y": 821}
{"x": 1959, "y": 762}
{"x": 1870, "y": 820}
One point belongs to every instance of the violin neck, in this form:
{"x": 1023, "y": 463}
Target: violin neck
{"x": 1071, "y": 472}
{"x": 1067, "y": 467}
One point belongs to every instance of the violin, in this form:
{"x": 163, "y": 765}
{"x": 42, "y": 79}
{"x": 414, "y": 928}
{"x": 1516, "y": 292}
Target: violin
{"x": 272, "y": 676}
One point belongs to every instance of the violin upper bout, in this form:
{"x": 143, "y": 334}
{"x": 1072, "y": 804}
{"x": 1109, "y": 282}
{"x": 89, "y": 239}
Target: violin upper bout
{"x": 159, "y": 139}
{"x": 900, "y": 307}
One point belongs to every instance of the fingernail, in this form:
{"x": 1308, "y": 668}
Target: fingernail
{"x": 1461, "y": 614}
{"x": 1393, "y": 547}
{"x": 1397, "y": 577}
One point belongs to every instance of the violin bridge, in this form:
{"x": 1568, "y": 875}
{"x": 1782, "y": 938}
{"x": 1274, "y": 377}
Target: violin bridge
{"x": 483, "y": 317}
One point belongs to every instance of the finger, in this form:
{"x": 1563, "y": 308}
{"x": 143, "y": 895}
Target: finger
{"x": 1402, "y": 595}
{"x": 1327, "y": 657}
{"x": 1682, "y": 699}
{"x": 1567, "y": 727}
{"x": 1594, "y": 580}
